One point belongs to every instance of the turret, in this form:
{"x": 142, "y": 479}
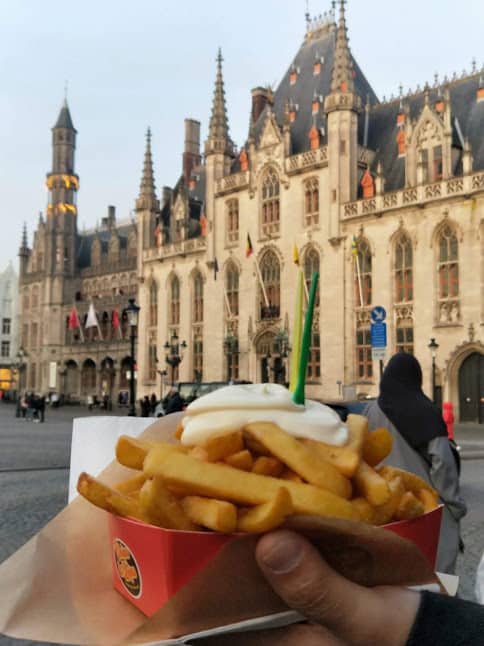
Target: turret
{"x": 147, "y": 204}
{"x": 24, "y": 252}
{"x": 342, "y": 107}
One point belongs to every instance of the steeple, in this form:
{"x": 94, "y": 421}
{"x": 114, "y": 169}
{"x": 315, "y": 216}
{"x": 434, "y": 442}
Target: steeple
{"x": 147, "y": 193}
{"x": 218, "y": 135}
{"x": 25, "y": 244}
{"x": 62, "y": 182}
{"x": 24, "y": 252}
{"x": 342, "y": 79}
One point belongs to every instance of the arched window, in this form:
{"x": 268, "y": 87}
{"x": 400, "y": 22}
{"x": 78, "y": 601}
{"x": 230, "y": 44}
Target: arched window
{"x": 311, "y": 265}
{"x": 153, "y": 317}
{"x": 363, "y": 274}
{"x": 448, "y": 264}
{"x": 197, "y": 298}
{"x": 152, "y": 356}
{"x": 403, "y": 269}
{"x": 311, "y": 201}
{"x": 271, "y": 277}
{"x": 232, "y": 220}
{"x": 270, "y": 203}
{"x": 174, "y": 308}
{"x": 232, "y": 289}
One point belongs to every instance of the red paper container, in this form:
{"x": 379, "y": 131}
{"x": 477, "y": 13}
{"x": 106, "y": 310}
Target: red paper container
{"x": 151, "y": 564}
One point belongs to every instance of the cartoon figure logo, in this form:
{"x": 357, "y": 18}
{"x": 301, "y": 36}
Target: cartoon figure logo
{"x": 127, "y": 568}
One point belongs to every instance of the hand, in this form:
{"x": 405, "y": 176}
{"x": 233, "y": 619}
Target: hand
{"x": 339, "y": 612}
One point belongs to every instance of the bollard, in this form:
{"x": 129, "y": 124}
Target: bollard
{"x": 448, "y": 415}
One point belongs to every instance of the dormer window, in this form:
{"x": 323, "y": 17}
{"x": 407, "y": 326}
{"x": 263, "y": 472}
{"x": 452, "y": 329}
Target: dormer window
{"x": 439, "y": 106}
{"x": 293, "y": 74}
{"x": 316, "y": 68}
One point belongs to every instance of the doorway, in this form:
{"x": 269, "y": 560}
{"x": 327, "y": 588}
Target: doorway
{"x": 471, "y": 389}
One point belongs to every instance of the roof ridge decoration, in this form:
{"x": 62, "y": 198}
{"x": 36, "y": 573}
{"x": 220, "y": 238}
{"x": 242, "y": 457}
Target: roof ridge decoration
{"x": 147, "y": 191}
{"x": 218, "y": 132}
{"x": 320, "y": 24}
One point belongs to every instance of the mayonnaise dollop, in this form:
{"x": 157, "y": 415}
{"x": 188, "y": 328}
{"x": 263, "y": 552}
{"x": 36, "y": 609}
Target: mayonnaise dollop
{"x": 231, "y": 408}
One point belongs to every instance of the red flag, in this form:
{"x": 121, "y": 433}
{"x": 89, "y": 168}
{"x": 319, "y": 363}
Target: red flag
{"x": 115, "y": 319}
{"x": 74, "y": 319}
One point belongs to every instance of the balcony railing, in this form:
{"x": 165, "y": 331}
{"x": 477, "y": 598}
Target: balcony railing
{"x": 452, "y": 187}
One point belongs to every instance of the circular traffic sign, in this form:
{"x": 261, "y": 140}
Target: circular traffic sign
{"x": 378, "y": 314}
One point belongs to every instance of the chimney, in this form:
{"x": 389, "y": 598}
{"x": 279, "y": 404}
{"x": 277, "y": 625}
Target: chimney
{"x": 261, "y": 96}
{"x": 191, "y": 154}
{"x": 111, "y": 215}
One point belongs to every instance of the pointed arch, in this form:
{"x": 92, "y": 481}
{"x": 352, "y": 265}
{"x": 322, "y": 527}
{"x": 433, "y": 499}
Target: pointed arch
{"x": 364, "y": 256}
{"x": 153, "y": 304}
{"x": 447, "y": 269}
{"x": 232, "y": 274}
{"x": 270, "y": 206}
{"x": 403, "y": 267}
{"x": 270, "y": 269}
{"x": 173, "y": 292}
{"x": 311, "y": 201}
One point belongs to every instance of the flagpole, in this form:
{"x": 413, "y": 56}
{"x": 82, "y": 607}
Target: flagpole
{"x": 261, "y": 282}
{"x": 229, "y": 310}
{"x": 358, "y": 274}
{"x": 80, "y": 325}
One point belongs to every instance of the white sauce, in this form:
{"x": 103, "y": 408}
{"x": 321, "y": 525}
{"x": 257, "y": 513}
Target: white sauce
{"x": 233, "y": 407}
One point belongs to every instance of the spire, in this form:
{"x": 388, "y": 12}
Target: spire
{"x": 25, "y": 244}
{"x": 64, "y": 119}
{"x": 147, "y": 192}
{"x": 218, "y": 134}
{"x": 342, "y": 79}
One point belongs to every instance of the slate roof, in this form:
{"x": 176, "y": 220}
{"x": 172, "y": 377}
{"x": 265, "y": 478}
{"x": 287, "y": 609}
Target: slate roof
{"x": 85, "y": 240}
{"x": 316, "y": 46}
{"x": 464, "y": 106}
{"x": 64, "y": 119}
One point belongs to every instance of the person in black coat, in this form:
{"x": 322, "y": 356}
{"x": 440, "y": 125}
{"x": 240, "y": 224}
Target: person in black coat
{"x": 174, "y": 402}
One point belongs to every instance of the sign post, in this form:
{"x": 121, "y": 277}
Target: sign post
{"x": 378, "y": 334}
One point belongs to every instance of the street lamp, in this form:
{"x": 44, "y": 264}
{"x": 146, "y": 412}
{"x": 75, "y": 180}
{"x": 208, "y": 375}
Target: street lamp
{"x": 132, "y": 312}
{"x": 231, "y": 348}
{"x": 19, "y": 365}
{"x": 173, "y": 356}
{"x": 433, "y": 345}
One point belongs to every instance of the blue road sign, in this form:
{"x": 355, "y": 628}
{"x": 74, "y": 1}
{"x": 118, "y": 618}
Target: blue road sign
{"x": 378, "y": 334}
{"x": 378, "y": 314}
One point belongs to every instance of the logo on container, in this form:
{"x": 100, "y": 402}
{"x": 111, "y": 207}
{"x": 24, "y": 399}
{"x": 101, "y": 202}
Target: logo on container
{"x": 127, "y": 568}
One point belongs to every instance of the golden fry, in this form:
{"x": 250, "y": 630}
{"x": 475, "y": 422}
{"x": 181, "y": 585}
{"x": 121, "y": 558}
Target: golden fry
{"x": 409, "y": 507}
{"x": 131, "y": 452}
{"x": 384, "y": 513}
{"x": 131, "y": 485}
{"x": 199, "y": 453}
{"x": 255, "y": 446}
{"x": 357, "y": 429}
{"x": 220, "y": 446}
{"x": 411, "y": 482}
{"x": 377, "y": 446}
{"x": 106, "y": 498}
{"x": 225, "y": 483}
{"x": 267, "y": 516}
{"x": 371, "y": 485}
{"x": 289, "y": 474}
{"x": 268, "y": 466}
{"x": 309, "y": 465}
{"x": 428, "y": 499}
{"x": 241, "y": 460}
{"x": 160, "y": 507}
{"x": 179, "y": 431}
{"x": 218, "y": 515}
{"x": 364, "y": 510}
{"x": 344, "y": 458}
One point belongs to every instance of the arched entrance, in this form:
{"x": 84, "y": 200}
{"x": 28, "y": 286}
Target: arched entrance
{"x": 471, "y": 389}
{"x": 271, "y": 363}
{"x": 72, "y": 381}
{"x": 88, "y": 378}
{"x": 107, "y": 377}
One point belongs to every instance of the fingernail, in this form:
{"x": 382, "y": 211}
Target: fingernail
{"x": 283, "y": 553}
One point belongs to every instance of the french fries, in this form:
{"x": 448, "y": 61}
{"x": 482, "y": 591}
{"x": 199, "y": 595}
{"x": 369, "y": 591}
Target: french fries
{"x": 251, "y": 480}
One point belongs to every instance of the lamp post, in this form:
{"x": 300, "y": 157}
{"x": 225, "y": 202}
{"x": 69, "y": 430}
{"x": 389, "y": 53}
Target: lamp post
{"x": 231, "y": 348}
{"x": 173, "y": 355}
{"x": 19, "y": 367}
{"x": 132, "y": 312}
{"x": 433, "y": 345}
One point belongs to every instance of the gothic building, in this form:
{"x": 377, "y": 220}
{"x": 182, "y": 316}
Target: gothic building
{"x": 384, "y": 198}
{"x": 64, "y": 269}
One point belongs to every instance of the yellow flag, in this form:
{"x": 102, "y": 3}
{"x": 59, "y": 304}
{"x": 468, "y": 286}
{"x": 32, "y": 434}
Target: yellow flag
{"x": 295, "y": 254}
{"x": 297, "y": 333}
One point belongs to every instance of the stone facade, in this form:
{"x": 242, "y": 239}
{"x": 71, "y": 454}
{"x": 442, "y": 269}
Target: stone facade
{"x": 9, "y": 370}
{"x": 386, "y": 199}
{"x": 66, "y": 269}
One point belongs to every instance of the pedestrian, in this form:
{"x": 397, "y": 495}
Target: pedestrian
{"x": 174, "y": 402}
{"x": 145, "y": 406}
{"x": 153, "y": 403}
{"x": 23, "y": 405}
{"x": 41, "y": 408}
{"x": 420, "y": 445}
{"x": 90, "y": 402}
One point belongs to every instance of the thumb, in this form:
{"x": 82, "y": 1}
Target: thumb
{"x": 299, "y": 575}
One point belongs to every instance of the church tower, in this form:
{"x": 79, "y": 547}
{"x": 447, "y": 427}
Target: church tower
{"x": 147, "y": 204}
{"x": 342, "y": 107}
{"x": 62, "y": 184}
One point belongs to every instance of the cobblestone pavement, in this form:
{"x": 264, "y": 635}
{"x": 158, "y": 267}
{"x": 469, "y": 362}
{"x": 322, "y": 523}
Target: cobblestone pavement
{"x": 34, "y": 474}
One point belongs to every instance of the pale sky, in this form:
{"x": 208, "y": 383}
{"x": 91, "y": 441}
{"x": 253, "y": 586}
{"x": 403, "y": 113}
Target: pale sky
{"x": 130, "y": 65}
